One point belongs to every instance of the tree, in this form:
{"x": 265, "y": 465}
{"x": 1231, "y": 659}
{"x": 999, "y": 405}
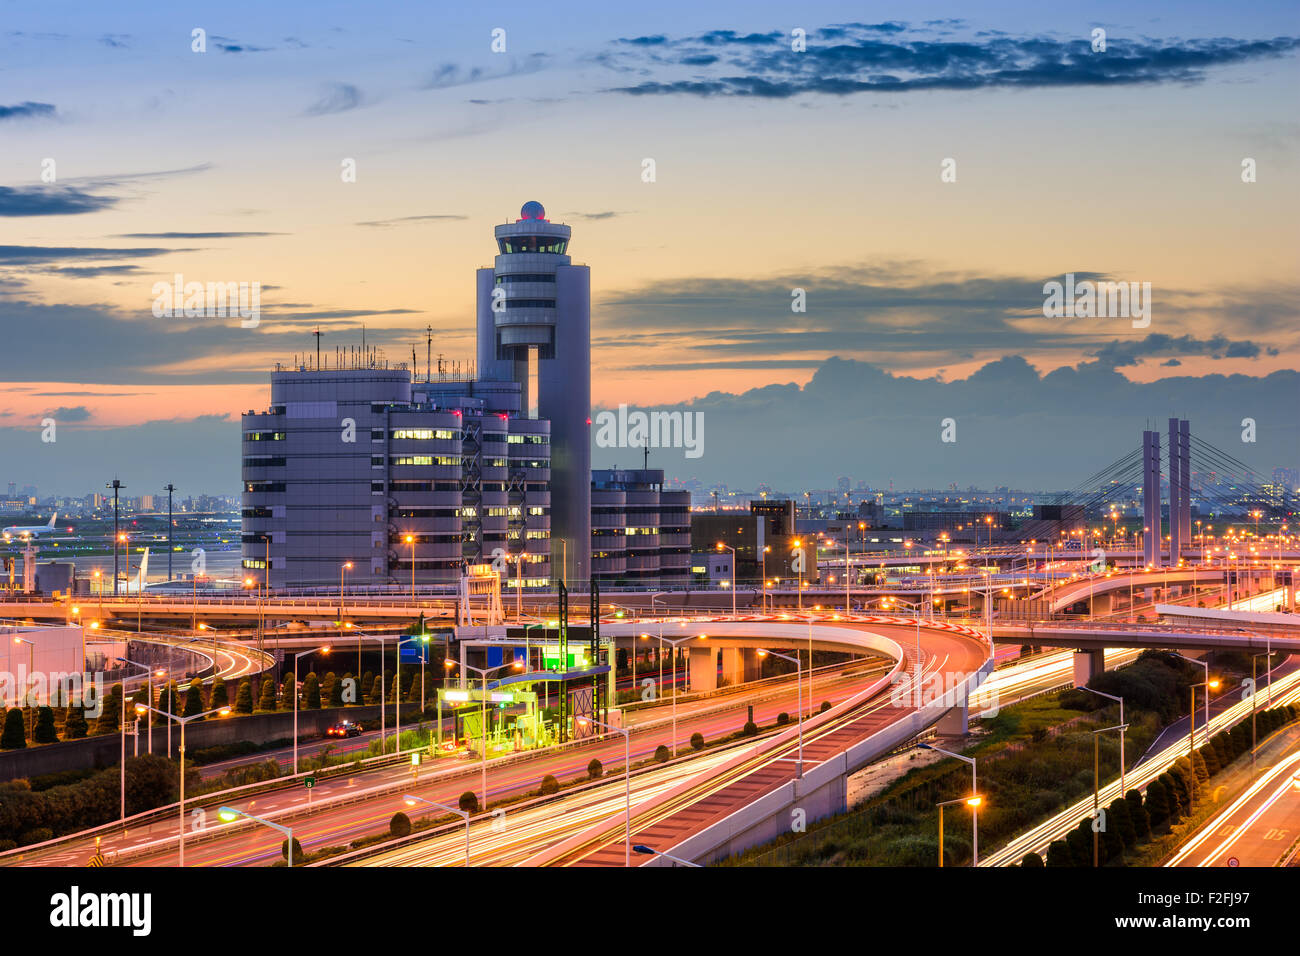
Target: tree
{"x": 1118, "y": 819}
{"x": 170, "y": 701}
{"x": 1157, "y": 802}
{"x": 267, "y": 699}
{"x": 1058, "y": 854}
{"x": 297, "y": 850}
{"x": 549, "y": 785}
{"x": 243, "y": 697}
{"x": 75, "y": 727}
{"x": 468, "y": 801}
{"x": 14, "y": 736}
{"x": 400, "y": 825}
{"x": 327, "y": 685}
{"x": 367, "y": 685}
{"x": 193, "y": 699}
{"x": 697, "y": 741}
{"x": 107, "y": 722}
{"x": 782, "y": 719}
{"x": 336, "y": 690}
{"x": 1211, "y": 759}
{"x": 288, "y": 692}
{"x": 395, "y": 690}
{"x": 311, "y": 691}
{"x": 1137, "y": 813}
{"x": 662, "y": 754}
{"x": 750, "y": 728}
{"x": 1198, "y": 765}
{"x": 220, "y": 695}
{"x": 1032, "y": 861}
{"x": 595, "y": 769}
{"x": 43, "y": 732}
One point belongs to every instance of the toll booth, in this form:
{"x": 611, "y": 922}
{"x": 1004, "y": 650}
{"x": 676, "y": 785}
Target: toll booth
{"x": 499, "y": 720}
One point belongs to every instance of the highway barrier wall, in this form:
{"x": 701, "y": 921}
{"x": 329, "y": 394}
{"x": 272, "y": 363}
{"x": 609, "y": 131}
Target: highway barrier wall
{"x": 104, "y": 751}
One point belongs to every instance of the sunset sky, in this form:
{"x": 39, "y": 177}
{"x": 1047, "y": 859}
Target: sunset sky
{"x": 775, "y": 170}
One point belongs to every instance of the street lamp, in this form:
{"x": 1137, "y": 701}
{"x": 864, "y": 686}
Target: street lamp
{"x": 974, "y": 789}
{"x": 1122, "y": 727}
{"x": 122, "y": 729}
{"x": 1208, "y": 685}
{"x": 973, "y": 802}
{"x": 519, "y": 585}
{"x": 763, "y": 652}
{"x": 413, "y": 800}
{"x": 324, "y": 649}
{"x": 766, "y": 549}
{"x": 916, "y": 608}
{"x": 1096, "y": 785}
{"x": 397, "y": 696}
{"x": 649, "y": 850}
{"x": 230, "y": 814}
{"x": 483, "y": 673}
{"x": 383, "y": 710}
{"x": 342, "y": 570}
{"x": 410, "y": 539}
{"x": 734, "y": 576}
{"x": 673, "y": 644}
{"x": 627, "y": 782}
{"x": 180, "y": 820}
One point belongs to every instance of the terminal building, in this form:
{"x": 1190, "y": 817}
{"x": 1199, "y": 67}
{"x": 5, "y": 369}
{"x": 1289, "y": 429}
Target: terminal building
{"x": 363, "y": 466}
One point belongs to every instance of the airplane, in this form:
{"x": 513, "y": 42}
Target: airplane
{"x": 30, "y": 531}
{"x": 139, "y": 583}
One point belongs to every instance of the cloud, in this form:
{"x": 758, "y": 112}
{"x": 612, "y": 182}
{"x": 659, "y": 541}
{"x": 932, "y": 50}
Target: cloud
{"x": 51, "y": 201}
{"x": 28, "y": 110}
{"x": 229, "y": 45}
{"x": 895, "y": 58}
{"x": 338, "y": 98}
{"x": 593, "y": 216}
{"x": 41, "y": 255}
{"x": 196, "y": 235}
{"x": 78, "y": 413}
{"x": 435, "y": 217}
{"x": 448, "y": 75}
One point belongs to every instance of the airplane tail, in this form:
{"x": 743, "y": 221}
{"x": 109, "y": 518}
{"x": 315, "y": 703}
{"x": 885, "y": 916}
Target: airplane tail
{"x": 53, "y": 518}
{"x": 143, "y": 575}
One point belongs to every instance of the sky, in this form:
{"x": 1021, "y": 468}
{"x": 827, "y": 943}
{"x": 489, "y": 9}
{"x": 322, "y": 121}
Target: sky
{"x": 775, "y": 169}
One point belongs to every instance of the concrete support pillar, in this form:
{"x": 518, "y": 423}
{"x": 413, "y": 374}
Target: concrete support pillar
{"x": 704, "y": 669}
{"x": 753, "y": 664}
{"x": 956, "y": 722}
{"x": 733, "y": 665}
{"x": 1087, "y": 664}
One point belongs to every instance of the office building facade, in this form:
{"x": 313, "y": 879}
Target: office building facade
{"x": 363, "y": 466}
{"x": 640, "y": 533}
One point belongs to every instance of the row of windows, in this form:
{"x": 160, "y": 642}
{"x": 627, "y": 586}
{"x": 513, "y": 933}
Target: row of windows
{"x": 256, "y": 513}
{"x": 525, "y": 277}
{"x": 267, "y": 486}
{"x": 264, "y": 461}
{"x": 549, "y": 244}
{"x": 529, "y": 439}
{"x": 422, "y": 434}
{"x": 263, "y": 436}
{"x": 378, "y": 486}
{"x": 530, "y": 304}
{"x": 453, "y": 460}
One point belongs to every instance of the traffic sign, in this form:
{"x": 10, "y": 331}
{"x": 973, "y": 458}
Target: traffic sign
{"x": 309, "y": 782}
{"x": 96, "y": 860}
{"x": 1232, "y": 861}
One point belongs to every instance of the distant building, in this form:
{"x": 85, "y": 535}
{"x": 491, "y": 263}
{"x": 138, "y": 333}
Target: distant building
{"x": 640, "y": 533}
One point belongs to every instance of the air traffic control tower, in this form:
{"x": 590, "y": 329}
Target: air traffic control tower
{"x": 534, "y": 328}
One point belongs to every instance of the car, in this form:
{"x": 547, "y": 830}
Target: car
{"x": 344, "y": 728}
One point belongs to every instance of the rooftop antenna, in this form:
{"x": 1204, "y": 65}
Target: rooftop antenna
{"x": 318, "y": 334}
{"x": 428, "y": 351}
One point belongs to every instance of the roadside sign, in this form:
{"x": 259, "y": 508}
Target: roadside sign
{"x": 1233, "y": 861}
{"x": 96, "y": 860}
{"x": 309, "y": 782}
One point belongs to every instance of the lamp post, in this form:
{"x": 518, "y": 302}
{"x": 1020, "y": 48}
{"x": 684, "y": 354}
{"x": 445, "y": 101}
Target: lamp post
{"x": 230, "y": 814}
{"x": 651, "y": 851}
{"x": 974, "y": 789}
{"x": 519, "y": 585}
{"x": 763, "y": 652}
{"x": 28, "y": 694}
{"x": 798, "y": 546}
{"x": 383, "y": 719}
{"x": 1096, "y": 784}
{"x": 122, "y": 729}
{"x": 483, "y": 673}
{"x": 627, "y": 782}
{"x": 1121, "y": 726}
{"x": 342, "y": 570}
{"x": 734, "y": 576}
{"x": 398, "y": 679}
{"x": 410, "y": 539}
{"x": 766, "y": 549}
{"x": 180, "y": 820}
{"x": 916, "y": 680}
{"x": 411, "y": 801}
{"x": 973, "y": 802}
{"x": 324, "y": 649}
{"x": 1208, "y": 685}
{"x": 673, "y": 644}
